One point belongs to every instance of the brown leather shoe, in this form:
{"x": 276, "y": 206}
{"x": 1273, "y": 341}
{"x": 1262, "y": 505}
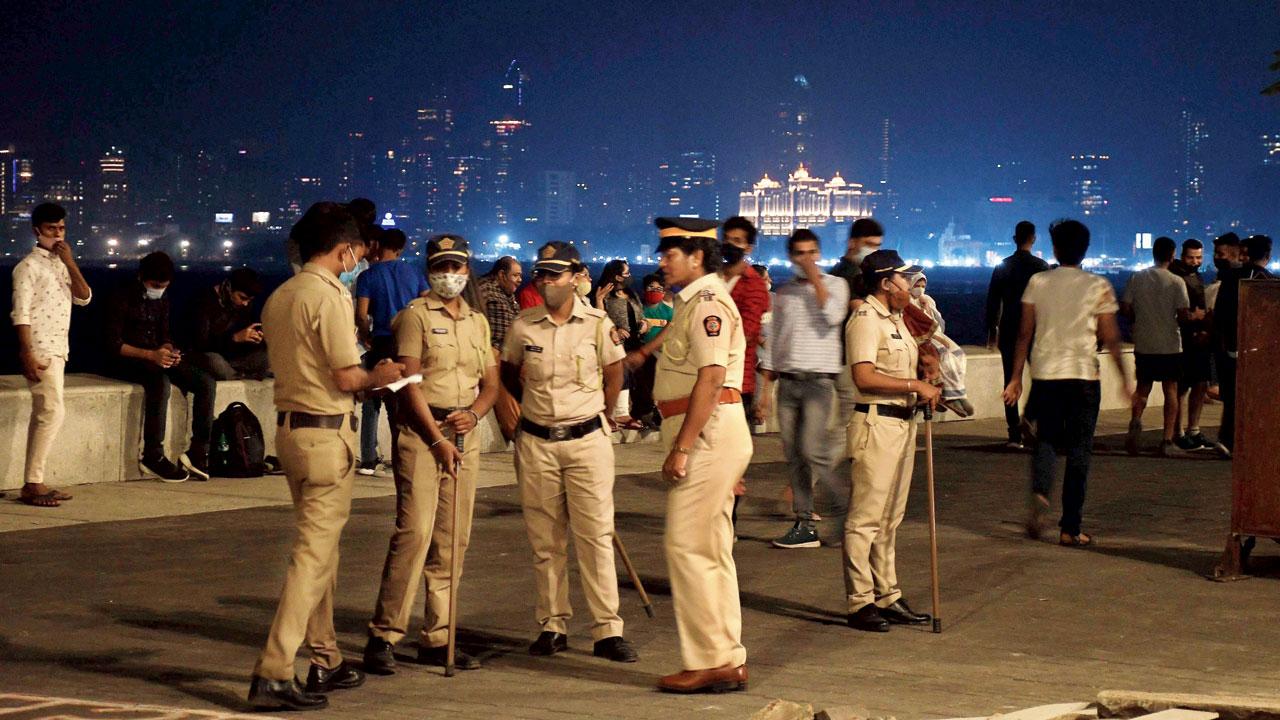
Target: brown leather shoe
{"x": 712, "y": 680}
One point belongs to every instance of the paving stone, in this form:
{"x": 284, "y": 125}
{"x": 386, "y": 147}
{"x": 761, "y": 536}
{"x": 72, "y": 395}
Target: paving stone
{"x": 784, "y": 710}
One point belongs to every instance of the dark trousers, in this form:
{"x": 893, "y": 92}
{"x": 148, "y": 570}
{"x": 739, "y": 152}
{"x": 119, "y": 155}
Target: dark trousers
{"x": 251, "y": 365}
{"x": 1011, "y": 417}
{"x": 155, "y": 382}
{"x": 384, "y": 346}
{"x": 642, "y": 405}
{"x": 1066, "y": 413}
{"x": 1226, "y": 366}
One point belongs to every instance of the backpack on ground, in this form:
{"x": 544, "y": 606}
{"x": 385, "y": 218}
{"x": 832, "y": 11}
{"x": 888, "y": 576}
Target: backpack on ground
{"x": 238, "y": 449}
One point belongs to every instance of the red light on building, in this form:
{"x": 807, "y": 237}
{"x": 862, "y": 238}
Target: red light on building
{"x": 1000, "y": 199}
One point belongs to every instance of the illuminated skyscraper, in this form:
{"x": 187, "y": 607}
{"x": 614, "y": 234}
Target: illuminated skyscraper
{"x": 888, "y": 193}
{"x": 793, "y": 127}
{"x": 69, "y": 194}
{"x": 112, "y": 188}
{"x": 1188, "y": 200}
{"x": 356, "y": 170}
{"x": 507, "y": 144}
{"x": 1090, "y": 185}
{"x": 688, "y": 185}
{"x": 559, "y": 198}
{"x": 8, "y": 172}
{"x": 468, "y": 205}
{"x": 1270, "y": 145}
{"x": 430, "y": 145}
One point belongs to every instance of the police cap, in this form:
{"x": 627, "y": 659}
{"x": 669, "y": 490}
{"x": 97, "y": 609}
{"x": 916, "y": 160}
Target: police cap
{"x": 558, "y": 259}
{"x": 882, "y": 262}
{"x": 673, "y": 229}
{"x": 447, "y": 247}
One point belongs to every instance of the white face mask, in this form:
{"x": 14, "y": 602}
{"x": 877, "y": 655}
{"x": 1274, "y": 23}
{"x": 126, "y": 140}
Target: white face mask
{"x": 917, "y": 291}
{"x": 799, "y": 272}
{"x": 154, "y": 293}
{"x": 862, "y": 254}
{"x": 353, "y": 261}
{"x": 447, "y": 285}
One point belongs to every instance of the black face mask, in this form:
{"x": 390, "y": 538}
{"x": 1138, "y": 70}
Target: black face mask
{"x": 732, "y": 254}
{"x": 1224, "y": 264}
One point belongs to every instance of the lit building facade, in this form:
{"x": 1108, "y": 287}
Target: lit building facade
{"x": 1188, "y": 198}
{"x": 113, "y": 188}
{"x": 1090, "y": 184}
{"x": 793, "y": 126}
{"x": 559, "y": 198}
{"x": 805, "y": 201}
{"x": 688, "y": 185}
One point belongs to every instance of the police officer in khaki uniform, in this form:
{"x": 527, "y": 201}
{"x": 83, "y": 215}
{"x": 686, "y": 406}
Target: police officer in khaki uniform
{"x": 882, "y": 440}
{"x": 563, "y": 359}
{"x": 311, "y": 341}
{"x": 697, "y": 388}
{"x": 445, "y": 339}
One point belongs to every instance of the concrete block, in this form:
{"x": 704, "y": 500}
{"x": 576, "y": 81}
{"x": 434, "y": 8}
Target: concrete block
{"x": 784, "y": 710}
{"x": 1058, "y": 711}
{"x": 1180, "y": 714}
{"x": 1127, "y": 704}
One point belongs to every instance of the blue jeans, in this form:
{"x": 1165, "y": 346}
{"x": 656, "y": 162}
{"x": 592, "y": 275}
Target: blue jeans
{"x": 1066, "y": 415}
{"x": 804, "y": 409}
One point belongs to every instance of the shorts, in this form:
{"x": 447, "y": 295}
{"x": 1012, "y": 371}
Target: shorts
{"x": 1158, "y": 368}
{"x": 1197, "y": 367}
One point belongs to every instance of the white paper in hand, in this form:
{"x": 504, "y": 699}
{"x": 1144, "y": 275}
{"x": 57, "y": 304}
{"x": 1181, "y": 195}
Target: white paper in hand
{"x": 395, "y": 386}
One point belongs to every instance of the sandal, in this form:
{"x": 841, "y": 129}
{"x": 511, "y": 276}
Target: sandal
{"x": 48, "y": 499}
{"x": 1080, "y": 541}
{"x": 59, "y": 495}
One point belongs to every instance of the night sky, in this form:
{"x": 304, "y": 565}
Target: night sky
{"x": 967, "y": 84}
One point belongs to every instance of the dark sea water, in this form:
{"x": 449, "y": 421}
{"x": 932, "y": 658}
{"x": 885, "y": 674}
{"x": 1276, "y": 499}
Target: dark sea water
{"x": 960, "y": 293}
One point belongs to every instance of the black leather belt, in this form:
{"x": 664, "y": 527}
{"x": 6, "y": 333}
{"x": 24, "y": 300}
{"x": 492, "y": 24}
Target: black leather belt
{"x": 561, "y": 432}
{"x": 441, "y": 413}
{"x": 806, "y": 376}
{"x": 307, "y": 420}
{"x": 900, "y": 412}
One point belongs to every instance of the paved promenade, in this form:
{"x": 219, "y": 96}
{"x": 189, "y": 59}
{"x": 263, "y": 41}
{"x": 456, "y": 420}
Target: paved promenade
{"x": 161, "y": 595}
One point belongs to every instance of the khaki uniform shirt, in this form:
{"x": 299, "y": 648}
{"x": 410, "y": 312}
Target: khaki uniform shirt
{"x": 310, "y": 332}
{"x": 455, "y": 353}
{"x": 878, "y": 336}
{"x": 705, "y": 330}
{"x": 562, "y": 366}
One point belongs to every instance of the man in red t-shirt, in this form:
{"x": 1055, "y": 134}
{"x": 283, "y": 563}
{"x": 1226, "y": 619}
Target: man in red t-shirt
{"x": 528, "y": 297}
{"x": 751, "y": 295}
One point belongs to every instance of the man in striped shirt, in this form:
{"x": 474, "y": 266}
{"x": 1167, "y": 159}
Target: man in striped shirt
{"x": 803, "y": 354}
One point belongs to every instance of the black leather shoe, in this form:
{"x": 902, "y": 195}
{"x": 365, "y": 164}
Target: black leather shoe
{"x": 439, "y": 656}
{"x": 344, "y": 677}
{"x": 267, "y": 694}
{"x": 549, "y": 643}
{"x": 616, "y": 649}
{"x": 869, "y": 619}
{"x": 379, "y": 657}
{"x": 899, "y": 614}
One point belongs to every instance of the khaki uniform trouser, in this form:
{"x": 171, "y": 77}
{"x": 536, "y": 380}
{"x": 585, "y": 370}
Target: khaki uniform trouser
{"x": 422, "y": 545}
{"x": 699, "y": 540}
{"x": 320, "y": 467}
{"x": 567, "y": 487}
{"x": 47, "y": 413}
{"x": 884, "y": 452}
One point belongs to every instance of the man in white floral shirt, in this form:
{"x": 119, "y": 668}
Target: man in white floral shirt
{"x": 45, "y": 284}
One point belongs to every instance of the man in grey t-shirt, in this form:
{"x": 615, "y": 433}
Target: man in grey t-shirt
{"x": 1156, "y": 301}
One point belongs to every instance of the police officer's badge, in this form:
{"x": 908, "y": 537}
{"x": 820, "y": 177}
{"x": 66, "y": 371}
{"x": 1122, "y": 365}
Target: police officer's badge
{"x": 446, "y": 243}
{"x": 711, "y": 324}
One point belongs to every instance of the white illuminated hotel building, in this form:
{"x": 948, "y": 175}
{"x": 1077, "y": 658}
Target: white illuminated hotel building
{"x": 805, "y": 201}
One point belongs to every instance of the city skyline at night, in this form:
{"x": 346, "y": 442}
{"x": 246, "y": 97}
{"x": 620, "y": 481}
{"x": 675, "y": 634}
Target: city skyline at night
{"x": 586, "y": 125}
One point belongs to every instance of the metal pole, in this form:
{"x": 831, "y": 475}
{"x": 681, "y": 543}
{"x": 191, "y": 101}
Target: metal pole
{"x": 635, "y": 578}
{"x": 449, "y": 668}
{"x": 933, "y": 518}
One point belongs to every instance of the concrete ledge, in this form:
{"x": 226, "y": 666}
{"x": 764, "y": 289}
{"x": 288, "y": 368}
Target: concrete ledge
{"x": 1125, "y": 704}
{"x": 101, "y": 440}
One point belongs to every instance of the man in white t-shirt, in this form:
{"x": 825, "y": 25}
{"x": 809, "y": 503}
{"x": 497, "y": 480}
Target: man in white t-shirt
{"x": 1066, "y": 311}
{"x": 1156, "y": 301}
